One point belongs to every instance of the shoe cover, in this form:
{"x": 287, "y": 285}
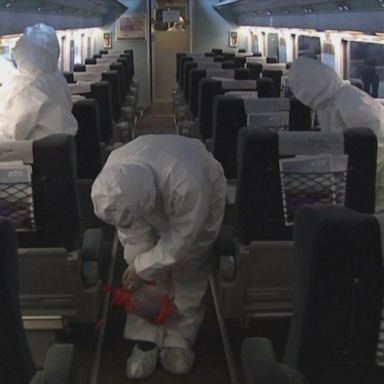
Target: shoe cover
{"x": 141, "y": 364}
{"x": 177, "y": 360}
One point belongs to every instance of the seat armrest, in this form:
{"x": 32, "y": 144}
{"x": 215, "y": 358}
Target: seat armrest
{"x": 88, "y": 217}
{"x": 226, "y": 251}
{"x": 258, "y": 361}
{"x": 92, "y": 256}
{"x": 104, "y": 153}
{"x": 60, "y": 365}
{"x": 92, "y": 245}
{"x": 209, "y": 145}
{"x": 259, "y": 364}
{"x": 225, "y": 243}
{"x": 231, "y": 192}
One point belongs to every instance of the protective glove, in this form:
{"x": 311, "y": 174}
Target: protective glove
{"x": 131, "y": 279}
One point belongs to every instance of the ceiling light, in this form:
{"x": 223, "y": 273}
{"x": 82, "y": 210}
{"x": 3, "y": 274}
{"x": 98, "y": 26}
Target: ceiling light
{"x": 9, "y": 4}
{"x": 286, "y": 11}
{"x": 343, "y": 7}
{"x": 40, "y": 7}
{"x": 60, "y": 10}
{"x": 269, "y": 13}
{"x": 308, "y": 10}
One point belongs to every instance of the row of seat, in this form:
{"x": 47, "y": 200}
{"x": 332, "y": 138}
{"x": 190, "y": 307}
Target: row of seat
{"x": 16, "y": 362}
{"x": 62, "y": 258}
{"x": 336, "y": 327}
{"x": 255, "y": 269}
{"x": 314, "y": 273}
{"x": 106, "y": 115}
{"x": 194, "y": 100}
{"x": 250, "y": 159}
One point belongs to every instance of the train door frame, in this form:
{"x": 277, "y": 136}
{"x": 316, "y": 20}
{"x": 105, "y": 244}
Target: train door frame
{"x": 152, "y": 48}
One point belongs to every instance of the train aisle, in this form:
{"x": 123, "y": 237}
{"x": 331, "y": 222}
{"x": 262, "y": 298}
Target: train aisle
{"x": 210, "y": 365}
{"x": 158, "y": 119}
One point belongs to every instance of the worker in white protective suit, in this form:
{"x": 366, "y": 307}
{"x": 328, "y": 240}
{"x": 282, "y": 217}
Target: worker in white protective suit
{"x": 36, "y": 101}
{"x": 339, "y": 106}
{"x": 166, "y": 195}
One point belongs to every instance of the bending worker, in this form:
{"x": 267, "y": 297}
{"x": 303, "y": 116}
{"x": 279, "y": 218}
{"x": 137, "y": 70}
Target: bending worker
{"x": 339, "y": 107}
{"x": 36, "y": 102}
{"x": 166, "y": 195}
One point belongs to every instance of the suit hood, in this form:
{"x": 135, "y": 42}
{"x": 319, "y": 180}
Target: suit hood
{"x": 122, "y": 194}
{"x": 313, "y": 82}
{"x": 37, "y": 51}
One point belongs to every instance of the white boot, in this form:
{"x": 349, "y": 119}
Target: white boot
{"x": 177, "y": 360}
{"x": 141, "y": 364}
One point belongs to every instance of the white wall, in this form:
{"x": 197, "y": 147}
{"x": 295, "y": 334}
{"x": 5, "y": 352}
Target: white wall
{"x": 210, "y": 29}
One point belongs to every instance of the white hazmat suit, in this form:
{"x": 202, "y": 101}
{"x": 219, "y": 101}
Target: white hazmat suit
{"x": 339, "y": 106}
{"x": 166, "y": 195}
{"x": 36, "y": 101}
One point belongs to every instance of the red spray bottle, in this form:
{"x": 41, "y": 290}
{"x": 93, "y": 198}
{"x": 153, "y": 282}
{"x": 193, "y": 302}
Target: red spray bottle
{"x": 146, "y": 302}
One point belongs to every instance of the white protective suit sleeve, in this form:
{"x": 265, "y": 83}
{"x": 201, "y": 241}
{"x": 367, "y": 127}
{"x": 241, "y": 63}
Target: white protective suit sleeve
{"x": 138, "y": 239}
{"x": 190, "y": 212}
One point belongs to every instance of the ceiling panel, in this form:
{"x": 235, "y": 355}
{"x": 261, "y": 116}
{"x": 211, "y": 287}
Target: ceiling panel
{"x": 15, "y": 15}
{"x": 361, "y": 15}
{"x": 84, "y": 8}
{"x": 288, "y": 7}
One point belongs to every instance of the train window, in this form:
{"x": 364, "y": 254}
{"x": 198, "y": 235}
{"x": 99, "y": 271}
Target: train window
{"x": 89, "y": 46}
{"x": 328, "y": 54}
{"x": 62, "y": 42}
{"x": 94, "y": 44}
{"x": 273, "y": 45}
{"x": 255, "y": 43}
{"x": 366, "y": 62}
{"x": 77, "y": 49}
{"x": 83, "y": 48}
{"x": 309, "y": 46}
{"x": 71, "y": 55}
{"x": 6, "y": 66}
{"x": 282, "y": 50}
{"x": 5, "y": 51}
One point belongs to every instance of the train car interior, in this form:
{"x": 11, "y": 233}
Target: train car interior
{"x": 285, "y": 96}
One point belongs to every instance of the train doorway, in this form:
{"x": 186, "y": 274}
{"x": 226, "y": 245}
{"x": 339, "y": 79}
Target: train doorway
{"x": 170, "y": 34}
